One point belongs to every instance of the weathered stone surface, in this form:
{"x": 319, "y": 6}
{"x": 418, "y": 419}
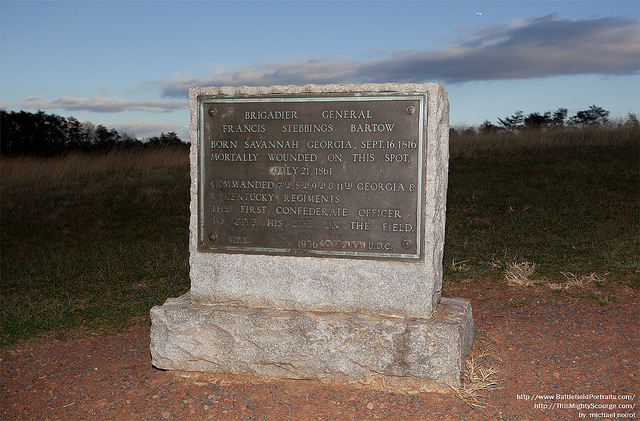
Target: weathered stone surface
{"x": 405, "y": 289}
{"x": 312, "y": 345}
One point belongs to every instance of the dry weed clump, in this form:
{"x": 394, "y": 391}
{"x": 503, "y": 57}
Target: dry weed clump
{"x": 476, "y": 380}
{"x": 460, "y": 266}
{"x": 520, "y": 274}
{"x": 523, "y": 274}
{"x": 574, "y": 282}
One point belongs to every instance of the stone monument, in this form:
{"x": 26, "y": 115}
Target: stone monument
{"x": 316, "y": 238}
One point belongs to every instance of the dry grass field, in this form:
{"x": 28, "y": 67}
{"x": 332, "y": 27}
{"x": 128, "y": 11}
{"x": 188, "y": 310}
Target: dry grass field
{"x": 93, "y": 242}
{"x": 77, "y": 168}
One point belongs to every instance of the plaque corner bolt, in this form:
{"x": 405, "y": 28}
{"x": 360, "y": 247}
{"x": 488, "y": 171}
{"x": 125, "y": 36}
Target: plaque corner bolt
{"x": 407, "y": 244}
{"x": 212, "y": 237}
{"x": 213, "y": 112}
{"x": 411, "y": 109}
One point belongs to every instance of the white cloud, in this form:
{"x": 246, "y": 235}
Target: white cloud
{"x": 104, "y": 105}
{"x": 34, "y": 98}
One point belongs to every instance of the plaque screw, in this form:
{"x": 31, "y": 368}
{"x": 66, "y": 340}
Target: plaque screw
{"x": 212, "y": 237}
{"x": 411, "y": 109}
{"x": 406, "y": 244}
{"x": 213, "y": 112}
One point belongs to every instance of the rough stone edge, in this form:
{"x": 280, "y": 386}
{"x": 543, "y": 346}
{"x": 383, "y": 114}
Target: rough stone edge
{"x": 454, "y": 312}
{"x": 313, "y": 88}
{"x": 433, "y": 240}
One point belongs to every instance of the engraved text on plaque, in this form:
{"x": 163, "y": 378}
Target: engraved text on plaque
{"x": 324, "y": 176}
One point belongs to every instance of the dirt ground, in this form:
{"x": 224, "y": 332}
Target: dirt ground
{"x": 558, "y": 357}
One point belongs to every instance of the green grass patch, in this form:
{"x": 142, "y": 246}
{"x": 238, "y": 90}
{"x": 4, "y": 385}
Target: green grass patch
{"x": 516, "y": 303}
{"x": 603, "y": 300}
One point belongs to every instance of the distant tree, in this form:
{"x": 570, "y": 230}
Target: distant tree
{"x": 593, "y": 116}
{"x": 513, "y": 122}
{"x": 165, "y": 139}
{"x": 42, "y": 134}
{"x": 559, "y": 117}
{"x": 632, "y": 120}
{"x": 88, "y": 132}
{"x": 8, "y": 130}
{"x": 105, "y": 138}
{"x": 76, "y": 139}
{"x": 37, "y": 134}
{"x": 537, "y": 120}
{"x": 487, "y": 128}
{"x": 129, "y": 140}
{"x": 53, "y": 132}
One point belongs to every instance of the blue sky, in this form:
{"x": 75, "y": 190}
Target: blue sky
{"x": 128, "y": 64}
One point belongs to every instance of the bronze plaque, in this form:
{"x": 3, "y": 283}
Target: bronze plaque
{"x": 324, "y": 176}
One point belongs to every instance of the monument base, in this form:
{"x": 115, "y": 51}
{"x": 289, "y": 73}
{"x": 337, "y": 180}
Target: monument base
{"x": 394, "y": 354}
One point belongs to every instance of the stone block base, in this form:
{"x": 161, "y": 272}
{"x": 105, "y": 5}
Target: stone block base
{"x": 395, "y": 354}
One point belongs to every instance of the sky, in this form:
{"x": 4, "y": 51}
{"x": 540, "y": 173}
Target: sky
{"x": 128, "y": 64}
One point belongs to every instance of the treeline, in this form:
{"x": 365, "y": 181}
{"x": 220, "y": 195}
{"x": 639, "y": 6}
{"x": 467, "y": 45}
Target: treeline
{"x": 594, "y": 116}
{"x": 41, "y": 134}
{"x": 539, "y": 132}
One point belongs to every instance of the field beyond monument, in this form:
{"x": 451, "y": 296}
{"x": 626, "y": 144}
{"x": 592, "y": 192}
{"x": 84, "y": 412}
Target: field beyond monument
{"x": 78, "y": 228}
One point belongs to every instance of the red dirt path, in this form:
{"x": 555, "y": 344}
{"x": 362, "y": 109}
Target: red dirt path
{"x": 567, "y": 347}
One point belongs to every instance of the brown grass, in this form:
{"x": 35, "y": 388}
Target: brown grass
{"x": 520, "y": 274}
{"x": 523, "y": 274}
{"x": 469, "y": 144}
{"x": 75, "y": 167}
{"x": 575, "y": 282}
{"x": 477, "y": 380}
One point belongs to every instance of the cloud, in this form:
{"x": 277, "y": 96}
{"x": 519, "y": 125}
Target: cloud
{"x": 104, "y": 105}
{"x": 7, "y": 106}
{"x": 146, "y": 129}
{"x": 525, "y": 49}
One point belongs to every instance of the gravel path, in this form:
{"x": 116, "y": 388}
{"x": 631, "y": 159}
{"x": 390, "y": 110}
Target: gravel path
{"x": 556, "y": 357}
